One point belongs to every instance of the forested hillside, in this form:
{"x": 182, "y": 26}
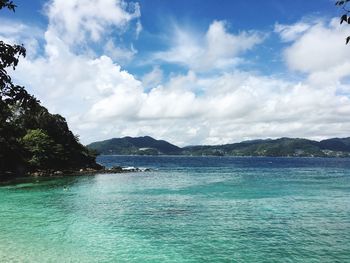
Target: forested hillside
{"x": 130, "y": 146}
{"x": 293, "y": 147}
{"x": 31, "y": 138}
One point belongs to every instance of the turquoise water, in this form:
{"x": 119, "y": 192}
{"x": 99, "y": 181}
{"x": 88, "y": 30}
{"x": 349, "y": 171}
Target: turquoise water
{"x": 187, "y": 210}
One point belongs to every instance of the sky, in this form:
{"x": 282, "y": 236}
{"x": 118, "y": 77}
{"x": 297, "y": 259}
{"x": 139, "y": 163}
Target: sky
{"x": 190, "y": 72}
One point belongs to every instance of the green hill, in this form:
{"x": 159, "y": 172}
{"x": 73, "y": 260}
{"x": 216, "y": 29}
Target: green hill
{"x": 135, "y": 146}
{"x": 297, "y": 147}
{"x": 336, "y": 144}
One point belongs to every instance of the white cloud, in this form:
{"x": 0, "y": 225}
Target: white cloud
{"x": 79, "y": 21}
{"x": 75, "y": 83}
{"x": 138, "y": 28}
{"x": 15, "y": 32}
{"x": 319, "y": 47}
{"x": 118, "y": 54}
{"x": 101, "y": 100}
{"x": 243, "y": 106}
{"x": 163, "y": 103}
{"x": 216, "y": 49}
{"x": 291, "y": 32}
{"x": 153, "y": 78}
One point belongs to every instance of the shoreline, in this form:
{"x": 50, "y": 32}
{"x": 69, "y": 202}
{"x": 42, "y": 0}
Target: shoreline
{"x": 86, "y": 171}
{"x": 8, "y": 178}
{"x": 233, "y": 156}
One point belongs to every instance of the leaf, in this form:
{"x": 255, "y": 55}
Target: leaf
{"x": 8, "y": 4}
{"x": 347, "y": 40}
{"x": 343, "y": 18}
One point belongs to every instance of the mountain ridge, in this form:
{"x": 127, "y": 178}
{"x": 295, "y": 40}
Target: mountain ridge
{"x": 284, "y": 147}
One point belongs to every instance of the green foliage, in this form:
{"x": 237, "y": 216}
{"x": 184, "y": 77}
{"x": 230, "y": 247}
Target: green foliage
{"x": 40, "y": 148}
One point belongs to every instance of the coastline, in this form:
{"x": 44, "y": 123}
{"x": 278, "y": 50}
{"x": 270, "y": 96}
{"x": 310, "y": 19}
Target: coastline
{"x": 233, "y": 156}
{"x": 9, "y": 177}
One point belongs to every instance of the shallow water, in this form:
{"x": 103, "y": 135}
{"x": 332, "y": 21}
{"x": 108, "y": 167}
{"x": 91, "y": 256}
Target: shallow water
{"x": 189, "y": 209}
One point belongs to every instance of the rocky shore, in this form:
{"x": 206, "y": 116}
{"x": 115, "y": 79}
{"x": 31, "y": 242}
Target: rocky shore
{"x": 87, "y": 171}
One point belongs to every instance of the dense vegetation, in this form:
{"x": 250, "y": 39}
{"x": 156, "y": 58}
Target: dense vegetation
{"x": 280, "y": 147}
{"x": 31, "y": 138}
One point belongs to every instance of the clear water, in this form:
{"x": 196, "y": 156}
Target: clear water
{"x": 188, "y": 210}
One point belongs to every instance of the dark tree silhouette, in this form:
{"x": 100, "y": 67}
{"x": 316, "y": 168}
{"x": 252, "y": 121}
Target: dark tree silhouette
{"x": 9, "y": 4}
{"x": 345, "y": 17}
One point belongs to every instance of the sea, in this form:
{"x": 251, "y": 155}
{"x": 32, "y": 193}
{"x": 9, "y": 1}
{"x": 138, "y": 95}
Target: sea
{"x": 186, "y": 209}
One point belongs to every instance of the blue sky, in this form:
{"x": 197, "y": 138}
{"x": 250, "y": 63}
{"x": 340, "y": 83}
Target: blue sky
{"x": 191, "y": 71}
{"x": 158, "y": 17}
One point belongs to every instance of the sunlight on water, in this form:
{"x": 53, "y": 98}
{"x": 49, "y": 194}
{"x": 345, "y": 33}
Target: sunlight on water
{"x": 187, "y": 210}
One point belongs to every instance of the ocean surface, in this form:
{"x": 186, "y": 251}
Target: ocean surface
{"x": 188, "y": 209}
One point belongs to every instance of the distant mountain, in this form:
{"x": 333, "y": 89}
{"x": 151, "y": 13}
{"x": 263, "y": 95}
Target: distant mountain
{"x": 297, "y": 147}
{"x": 336, "y": 147}
{"x": 135, "y": 146}
{"x": 336, "y": 144}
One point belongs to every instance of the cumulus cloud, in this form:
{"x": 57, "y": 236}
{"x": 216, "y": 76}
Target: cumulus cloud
{"x": 102, "y": 100}
{"x": 317, "y": 47}
{"x": 71, "y": 81}
{"x": 243, "y": 106}
{"x": 216, "y": 49}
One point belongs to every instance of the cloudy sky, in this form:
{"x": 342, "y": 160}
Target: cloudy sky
{"x": 187, "y": 71}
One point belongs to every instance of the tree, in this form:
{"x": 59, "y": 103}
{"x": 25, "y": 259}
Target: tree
{"x": 31, "y": 138}
{"x": 40, "y": 148}
{"x": 10, "y": 96}
{"x": 345, "y": 17}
